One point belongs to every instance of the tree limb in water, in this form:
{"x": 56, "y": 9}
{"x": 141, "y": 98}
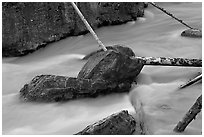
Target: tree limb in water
{"x": 162, "y": 61}
{"x": 88, "y": 26}
{"x": 196, "y": 79}
{"x": 168, "y": 13}
{"x": 167, "y": 61}
{"x": 190, "y": 115}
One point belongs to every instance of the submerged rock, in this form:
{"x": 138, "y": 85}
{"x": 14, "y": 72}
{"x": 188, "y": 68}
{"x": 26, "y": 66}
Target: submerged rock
{"x": 194, "y": 33}
{"x": 120, "y": 123}
{"x": 104, "y": 73}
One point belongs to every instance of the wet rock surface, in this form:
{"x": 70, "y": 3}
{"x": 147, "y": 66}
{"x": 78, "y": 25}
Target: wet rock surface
{"x": 120, "y": 123}
{"x": 28, "y": 26}
{"x": 104, "y": 73}
{"x": 193, "y": 33}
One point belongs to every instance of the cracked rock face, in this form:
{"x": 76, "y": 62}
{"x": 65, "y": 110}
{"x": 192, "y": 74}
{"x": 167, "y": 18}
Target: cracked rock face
{"x": 104, "y": 73}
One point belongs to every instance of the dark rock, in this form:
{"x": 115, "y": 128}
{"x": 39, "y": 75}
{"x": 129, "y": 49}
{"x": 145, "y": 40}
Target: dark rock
{"x": 28, "y": 26}
{"x": 104, "y": 73}
{"x": 120, "y": 123}
{"x": 111, "y": 66}
{"x": 194, "y": 33}
{"x": 52, "y": 88}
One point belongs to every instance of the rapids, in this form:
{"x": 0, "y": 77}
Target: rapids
{"x": 155, "y": 34}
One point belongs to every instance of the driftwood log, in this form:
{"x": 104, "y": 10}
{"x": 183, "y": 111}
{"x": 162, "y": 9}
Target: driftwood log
{"x": 120, "y": 123}
{"x": 190, "y": 115}
{"x": 162, "y": 61}
{"x": 167, "y": 61}
{"x": 190, "y": 82}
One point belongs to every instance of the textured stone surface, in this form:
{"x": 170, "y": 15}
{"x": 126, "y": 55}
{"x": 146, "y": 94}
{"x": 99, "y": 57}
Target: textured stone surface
{"x": 111, "y": 66}
{"x": 28, "y": 26}
{"x": 120, "y": 123}
{"x": 193, "y": 33}
{"x": 104, "y": 73}
{"x": 52, "y": 88}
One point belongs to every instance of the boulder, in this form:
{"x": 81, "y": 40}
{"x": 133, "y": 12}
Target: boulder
{"x": 104, "y": 73}
{"x": 52, "y": 88}
{"x": 193, "y": 33}
{"x": 112, "y": 66}
{"x": 120, "y": 123}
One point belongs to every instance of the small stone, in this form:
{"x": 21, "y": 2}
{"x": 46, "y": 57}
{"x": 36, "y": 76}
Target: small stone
{"x": 193, "y": 33}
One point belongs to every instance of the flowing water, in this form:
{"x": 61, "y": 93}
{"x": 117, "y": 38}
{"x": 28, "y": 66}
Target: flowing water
{"x": 156, "y": 34}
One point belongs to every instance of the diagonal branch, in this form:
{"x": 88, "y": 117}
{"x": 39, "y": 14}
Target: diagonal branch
{"x": 190, "y": 115}
{"x": 88, "y": 26}
{"x": 196, "y": 79}
{"x": 168, "y": 13}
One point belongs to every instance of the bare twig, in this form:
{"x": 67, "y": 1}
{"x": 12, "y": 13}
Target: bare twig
{"x": 88, "y": 27}
{"x": 196, "y": 79}
{"x": 190, "y": 115}
{"x": 168, "y": 13}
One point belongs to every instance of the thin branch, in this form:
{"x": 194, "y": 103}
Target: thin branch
{"x": 196, "y": 79}
{"x": 168, "y": 13}
{"x": 88, "y": 27}
{"x": 190, "y": 115}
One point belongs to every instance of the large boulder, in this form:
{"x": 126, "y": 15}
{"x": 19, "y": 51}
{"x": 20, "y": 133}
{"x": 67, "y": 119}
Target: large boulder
{"x": 52, "y": 88}
{"x": 28, "y": 26}
{"x": 112, "y": 66}
{"x": 104, "y": 73}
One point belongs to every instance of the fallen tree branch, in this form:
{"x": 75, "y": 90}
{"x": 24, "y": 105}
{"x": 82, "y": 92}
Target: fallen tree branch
{"x": 88, "y": 26}
{"x": 162, "y": 61}
{"x": 196, "y": 79}
{"x": 190, "y": 115}
{"x": 168, "y": 13}
{"x": 120, "y": 123}
{"x": 167, "y": 61}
